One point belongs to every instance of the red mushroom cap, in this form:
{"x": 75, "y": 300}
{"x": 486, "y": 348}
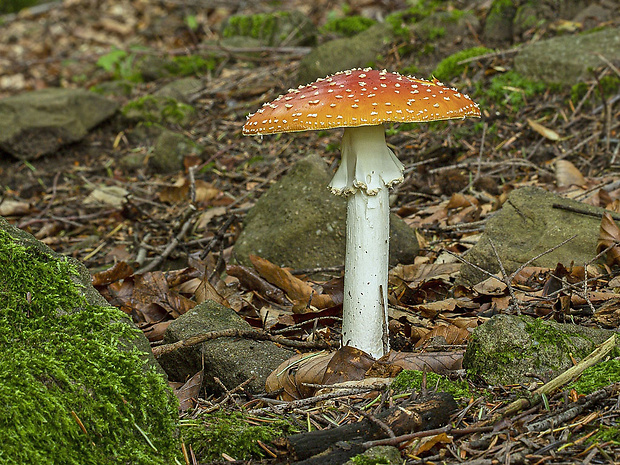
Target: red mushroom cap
{"x": 360, "y": 97}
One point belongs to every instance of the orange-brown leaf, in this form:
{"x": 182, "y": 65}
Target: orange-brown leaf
{"x": 609, "y": 234}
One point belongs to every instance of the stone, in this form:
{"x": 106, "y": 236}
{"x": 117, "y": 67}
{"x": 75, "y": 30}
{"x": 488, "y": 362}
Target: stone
{"x": 528, "y": 225}
{"x": 182, "y": 89}
{"x": 568, "y": 59}
{"x": 388, "y": 455}
{"x": 37, "y": 123}
{"x": 159, "y": 109}
{"x": 506, "y": 347}
{"x": 232, "y": 360}
{"x": 498, "y": 24}
{"x": 280, "y": 28}
{"x": 67, "y": 356}
{"x": 358, "y": 51}
{"x": 299, "y": 223}
{"x": 169, "y": 151}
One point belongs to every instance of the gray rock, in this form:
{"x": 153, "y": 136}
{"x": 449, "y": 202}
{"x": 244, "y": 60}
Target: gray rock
{"x": 159, "y": 109}
{"x": 37, "y": 123}
{"x": 506, "y": 347}
{"x": 66, "y": 354}
{"x": 231, "y": 360}
{"x": 568, "y": 59}
{"x": 182, "y": 89}
{"x": 358, "y": 51}
{"x": 528, "y": 225}
{"x": 169, "y": 151}
{"x": 299, "y": 223}
{"x": 388, "y": 455}
{"x": 290, "y": 28}
{"x": 498, "y": 24}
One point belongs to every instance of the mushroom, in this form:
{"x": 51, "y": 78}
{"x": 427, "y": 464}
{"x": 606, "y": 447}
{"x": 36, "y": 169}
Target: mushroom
{"x": 360, "y": 101}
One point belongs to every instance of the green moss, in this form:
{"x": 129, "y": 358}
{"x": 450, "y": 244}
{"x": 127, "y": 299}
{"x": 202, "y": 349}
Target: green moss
{"x": 212, "y": 434}
{"x": 608, "y": 85}
{"x": 597, "y": 376}
{"x": 271, "y": 28}
{"x": 449, "y": 67}
{"x": 347, "y": 26}
{"x": 60, "y": 367}
{"x": 364, "y": 460}
{"x": 509, "y": 89}
{"x": 606, "y": 434}
{"x": 400, "y": 20}
{"x": 13, "y": 6}
{"x": 159, "y": 109}
{"x": 408, "y": 380}
{"x": 121, "y": 64}
{"x": 191, "y": 65}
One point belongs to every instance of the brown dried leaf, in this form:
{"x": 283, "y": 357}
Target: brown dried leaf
{"x": 206, "y": 291}
{"x": 451, "y": 335}
{"x": 297, "y": 290}
{"x": 491, "y": 286}
{"x": 291, "y": 375}
{"x": 10, "y": 207}
{"x": 609, "y": 234}
{"x": 188, "y": 393}
{"x": 608, "y": 314}
{"x": 251, "y": 281}
{"x": 543, "y": 131}
{"x": 567, "y": 174}
{"x": 458, "y": 200}
{"x": 437, "y": 362}
{"x": 423, "y": 271}
{"x": 120, "y": 270}
{"x": 347, "y": 364}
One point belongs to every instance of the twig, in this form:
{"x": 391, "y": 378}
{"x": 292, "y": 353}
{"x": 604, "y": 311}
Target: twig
{"x": 310, "y": 400}
{"x": 173, "y": 244}
{"x": 242, "y": 333}
{"x": 573, "y": 410}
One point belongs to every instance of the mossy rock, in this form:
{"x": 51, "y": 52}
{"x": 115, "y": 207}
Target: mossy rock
{"x": 449, "y": 67}
{"x": 568, "y": 59}
{"x": 159, "y": 109}
{"x": 506, "y": 348}
{"x": 498, "y": 24}
{"x": 78, "y": 383}
{"x": 169, "y": 151}
{"x": 359, "y": 51}
{"x": 347, "y": 26}
{"x": 292, "y": 28}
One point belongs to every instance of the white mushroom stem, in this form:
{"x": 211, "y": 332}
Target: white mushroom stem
{"x": 367, "y": 170}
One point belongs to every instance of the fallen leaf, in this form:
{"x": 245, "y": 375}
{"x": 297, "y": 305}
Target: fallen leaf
{"x": 188, "y": 393}
{"x": 206, "y": 291}
{"x": 109, "y": 195}
{"x": 567, "y": 174}
{"x": 300, "y": 369}
{"x": 437, "y": 362}
{"x": 609, "y": 234}
{"x": 543, "y": 131}
{"x": 120, "y": 270}
{"x": 451, "y": 335}
{"x": 10, "y": 207}
{"x": 300, "y": 292}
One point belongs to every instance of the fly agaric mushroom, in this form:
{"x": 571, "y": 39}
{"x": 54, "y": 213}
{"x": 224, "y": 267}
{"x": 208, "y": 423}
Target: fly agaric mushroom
{"x": 360, "y": 101}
